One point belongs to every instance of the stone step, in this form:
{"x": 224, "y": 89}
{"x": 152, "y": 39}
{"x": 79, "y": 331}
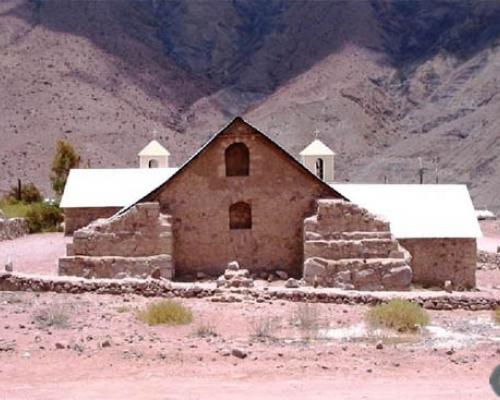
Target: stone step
{"x": 341, "y": 249}
{"x": 355, "y": 235}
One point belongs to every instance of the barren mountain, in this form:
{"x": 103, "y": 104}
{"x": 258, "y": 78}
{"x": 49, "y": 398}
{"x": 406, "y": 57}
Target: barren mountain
{"x": 382, "y": 82}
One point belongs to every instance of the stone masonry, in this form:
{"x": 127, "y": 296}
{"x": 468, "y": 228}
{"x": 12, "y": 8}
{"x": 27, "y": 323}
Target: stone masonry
{"x": 12, "y": 228}
{"x": 137, "y": 243}
{"x": 347, "y": 247}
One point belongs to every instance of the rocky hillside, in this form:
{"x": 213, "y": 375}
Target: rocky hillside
{"x": 382, "y": 82}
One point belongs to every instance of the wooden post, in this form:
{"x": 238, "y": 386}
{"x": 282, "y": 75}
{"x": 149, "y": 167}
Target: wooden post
{"x": 421, "y": 170}
{"x": 19, "y": 186}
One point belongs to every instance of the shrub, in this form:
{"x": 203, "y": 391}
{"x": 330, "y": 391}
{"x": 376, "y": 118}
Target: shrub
{"x": 400, "y": 315}
{"x": 43, "y": 217}
{"x": 29, "y": 194}
{"x": 496, "y": 315}
{"x": 205, "y": 329}
{"x": 65, "y": 159}
{"x": 54, "y": 315}
{"x": 14, "y": 210}
{"x": 264, "y": 327}
{"x": 165, "y": 312}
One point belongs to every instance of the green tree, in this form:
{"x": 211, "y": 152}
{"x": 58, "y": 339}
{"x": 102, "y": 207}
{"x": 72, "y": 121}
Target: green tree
{"x": 65, "y": 159}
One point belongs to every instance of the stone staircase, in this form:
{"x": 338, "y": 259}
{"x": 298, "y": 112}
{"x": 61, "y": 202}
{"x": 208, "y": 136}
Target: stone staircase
{"x": 347, "y": 247}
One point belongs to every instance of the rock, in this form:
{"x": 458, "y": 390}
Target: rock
{"x": 105, "y": 343}
{"x": 448, "y": 286}
{"x": 379, "y": 345}
{"x": 9, "y": 266}
{"x": 281, "y": 274}
{"x": 61, "y": 345}
{"x": 292, "y": 283}
{"x": 156, "y": 274}
{"x": 450, "y": 352}
{"x": 397, "y": 277}
{"x": 225, "y": 352}
{"x": 121, "y": 275}
{"x": 26, "y": 354}
{"x": 314, "y": 270}
{"x": 201, "y": 275}
{"x": 233, "y": 265}
{"x": 239, "y": 353}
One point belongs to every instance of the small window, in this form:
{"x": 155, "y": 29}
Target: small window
{"x": 153, "y": 164}
{"x": 237, "y": 160}
{"x": 240, "y": 216}
{"x": 319, "y": 168}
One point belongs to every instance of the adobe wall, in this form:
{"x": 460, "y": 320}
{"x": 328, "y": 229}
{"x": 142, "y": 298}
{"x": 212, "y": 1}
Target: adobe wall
{"x": 435, "y": 261}
{"x": 76, "y": 218}
{"x": 281, "y": 195}
{"x": 347, "y": 247}
{"x": 135, "y": 243}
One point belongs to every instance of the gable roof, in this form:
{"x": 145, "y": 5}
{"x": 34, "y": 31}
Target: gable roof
{"x": 237, "y": 121}
{"x": 154, "y": 148}
{"x": 88, "y": 188}
{"x": 317, "y": 148}
{"x": 418, "y": 211}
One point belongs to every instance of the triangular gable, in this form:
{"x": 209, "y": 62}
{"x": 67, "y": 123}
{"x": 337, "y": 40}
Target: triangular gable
{"x": 237, "y": 121}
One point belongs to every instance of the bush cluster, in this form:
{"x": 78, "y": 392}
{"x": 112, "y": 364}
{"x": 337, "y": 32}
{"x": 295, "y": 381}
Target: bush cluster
{"x": 165, "y": 312}
{"x": 400, "y": 315}
{"x": 43, "y": 217}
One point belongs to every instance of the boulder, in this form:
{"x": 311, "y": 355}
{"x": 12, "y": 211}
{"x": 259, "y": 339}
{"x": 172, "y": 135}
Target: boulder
{"x": 397, "y": 277}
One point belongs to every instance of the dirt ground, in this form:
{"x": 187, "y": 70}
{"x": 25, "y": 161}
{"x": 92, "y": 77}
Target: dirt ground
{"x": 103, "y": 352}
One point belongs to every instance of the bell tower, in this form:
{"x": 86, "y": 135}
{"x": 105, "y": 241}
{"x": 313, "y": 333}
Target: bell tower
{"x": 319, "y": 159}
{"x": 154, "y": 155}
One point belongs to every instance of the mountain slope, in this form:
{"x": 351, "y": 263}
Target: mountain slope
{"x": 382, "y": 82}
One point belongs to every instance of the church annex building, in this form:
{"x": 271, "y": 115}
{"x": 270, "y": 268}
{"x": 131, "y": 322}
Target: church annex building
{"x": 243, "y": 198}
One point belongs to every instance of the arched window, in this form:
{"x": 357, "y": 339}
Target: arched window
{"x": 237, "y": 160}
{"x": 319, "y": 168}
{"x": 240, "y": 216}
{"x": 153, "y": 164}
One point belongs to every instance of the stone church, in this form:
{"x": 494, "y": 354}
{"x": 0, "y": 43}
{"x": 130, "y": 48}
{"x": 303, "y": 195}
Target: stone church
{"x": 243, "y": 198}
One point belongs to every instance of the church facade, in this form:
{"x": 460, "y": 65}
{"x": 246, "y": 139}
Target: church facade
{"x": 243, "y": 198}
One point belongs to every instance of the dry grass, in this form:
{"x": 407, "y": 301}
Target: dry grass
{"x": 496, "y": 315}
{"x": 264, "y": 327}
{"x": 52, "y": 316}
{"x": 400, "y": 315}
{"x": 205, "y": 329}
{"x": 166, "y": 312}
{"x": 307, "y": 318}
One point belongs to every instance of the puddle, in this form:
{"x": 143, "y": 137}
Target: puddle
{"x": 464, "y": 334}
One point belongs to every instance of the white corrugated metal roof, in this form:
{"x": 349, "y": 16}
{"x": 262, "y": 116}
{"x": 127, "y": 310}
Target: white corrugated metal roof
{"x": 317, "y": 148}
{"x": 111, "y": 187}
{"x": 154, "y": 149}
{"x": 418, "y": 211}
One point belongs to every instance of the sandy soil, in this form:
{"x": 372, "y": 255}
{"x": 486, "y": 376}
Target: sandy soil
{"x": 37, "y": 254}
{"x": 109, "y": 354}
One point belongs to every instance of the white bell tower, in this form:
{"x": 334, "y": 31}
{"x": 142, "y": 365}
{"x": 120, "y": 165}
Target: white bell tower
{"x": 154, "y": 155}
{"x": 319, "y": 159}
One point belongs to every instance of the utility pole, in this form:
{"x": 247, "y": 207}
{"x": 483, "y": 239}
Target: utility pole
{"x": 436, "y": 170}
{"x": 421, "y": 170}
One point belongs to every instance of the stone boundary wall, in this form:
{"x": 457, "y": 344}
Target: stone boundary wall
{"x": 136, "y": 243}
{"x": 165, "y": 288}
{"x": 345, "y": 246}
{"x": 488, "y": 260}
{"x": 77, "y": 218}
{"x": 12, "y": 228}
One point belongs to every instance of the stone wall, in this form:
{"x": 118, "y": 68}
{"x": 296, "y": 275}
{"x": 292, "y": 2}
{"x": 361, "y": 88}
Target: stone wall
{"x": 12, "y": 228}
{"x": 76, "y": 218}
{"x": 135, "y": 243}
{"x": 163, "y": 288}
{"x": 435, "y": 261}
{"x": 488, "y": 260}
{"x": 280, "y": 192}
{"x": 345, "y": 246}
